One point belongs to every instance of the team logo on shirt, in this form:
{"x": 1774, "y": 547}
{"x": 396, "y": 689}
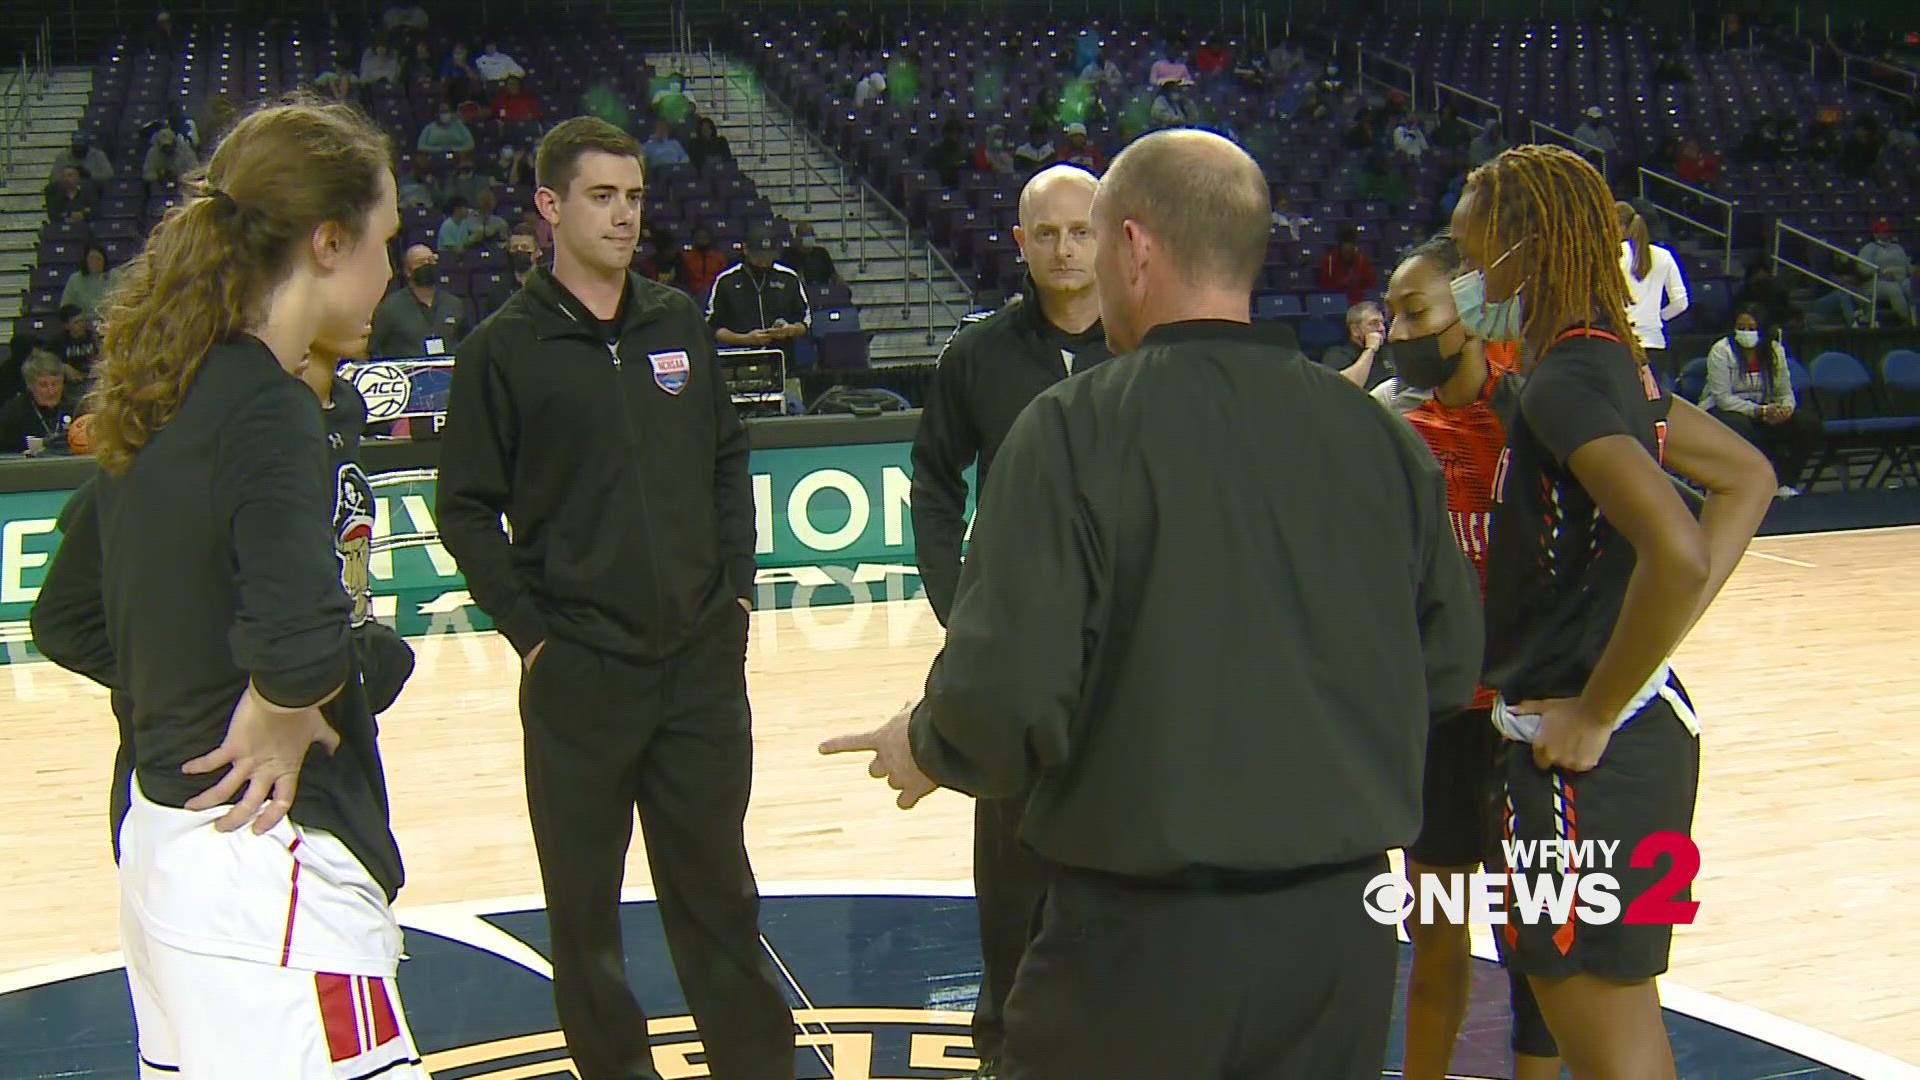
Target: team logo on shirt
{"x": 353, "y": 537}
{"x": 670, "y": 370}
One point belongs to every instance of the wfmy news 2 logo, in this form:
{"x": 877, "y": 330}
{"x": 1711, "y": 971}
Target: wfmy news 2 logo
{"x": 1549, "y": 882}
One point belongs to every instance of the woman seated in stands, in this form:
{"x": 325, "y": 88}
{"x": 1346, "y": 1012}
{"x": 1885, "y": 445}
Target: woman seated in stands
{"x": 1750, "y": 390}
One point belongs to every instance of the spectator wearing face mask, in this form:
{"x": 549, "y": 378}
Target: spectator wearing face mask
{"x": 446, "y": 133}
{"x": 83, "y": 155}
{"x": 523, "y": 254}
{"x": 169, "y": 158}
{"x": 1750, "y": 390}
{"x": 1593, "y": 131}
{"x": 421, "y": 319}
{"x": 1896, "y": 270}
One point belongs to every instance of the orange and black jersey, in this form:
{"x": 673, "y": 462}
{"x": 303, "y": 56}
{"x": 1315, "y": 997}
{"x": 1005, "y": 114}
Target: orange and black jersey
{"x": 1467, "y": 442}
{"x": 1557, "y": 570}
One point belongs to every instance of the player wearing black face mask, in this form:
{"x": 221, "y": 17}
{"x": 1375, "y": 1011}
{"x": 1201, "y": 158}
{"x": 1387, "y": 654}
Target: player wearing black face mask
{"x": 1459, "y": 401}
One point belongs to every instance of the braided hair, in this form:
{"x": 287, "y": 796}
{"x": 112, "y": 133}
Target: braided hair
{"x": 1554, "y": 200}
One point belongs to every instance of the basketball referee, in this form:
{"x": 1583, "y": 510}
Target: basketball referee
{"x": 588, "y": 411}
{"x": 1167, "y": 643}
{"x": 995, "y": 364}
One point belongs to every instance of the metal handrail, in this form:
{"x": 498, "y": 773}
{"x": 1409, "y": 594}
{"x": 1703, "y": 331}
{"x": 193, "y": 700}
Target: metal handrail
{"x": 1872, "y": 295}
{"x": 1910, "y": 79}
{"x": 848, "y": 178}
{"x": 1725, "y": 234}
{"x": 1440, "y": 88}
{"x": 1361, "y": 56}
{"x": 1577, "y": 143}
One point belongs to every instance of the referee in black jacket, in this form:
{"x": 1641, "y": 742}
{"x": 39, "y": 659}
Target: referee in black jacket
{"x": 994, "y": 365}
{"x": 588, "y": 410}
{"x": 1167, "y": 641}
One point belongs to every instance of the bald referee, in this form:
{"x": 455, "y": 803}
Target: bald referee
{"x": 1167, "y": 643}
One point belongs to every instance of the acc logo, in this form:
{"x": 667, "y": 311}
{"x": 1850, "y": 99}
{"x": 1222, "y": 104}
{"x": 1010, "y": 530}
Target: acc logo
{"x": 386, "y": 389}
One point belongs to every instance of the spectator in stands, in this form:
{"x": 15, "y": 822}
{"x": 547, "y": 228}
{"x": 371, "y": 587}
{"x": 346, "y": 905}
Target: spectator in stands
{"x": 1488, "y": 144}
{"x": 512, "y": 166}
{"x": 1408, "y": 140}
{"x": 514, "y": 104}
{"x": 1593, "y": 130}
{"x": 1895, "y": 288}
{"x": 1356, "y": 359}
{"x": 82, "y": 154}
{"x": 1361, "y": 137}
{"x": 169, "y": 158}
{"x": 663, "y": 151}
{"x": 1079, "y": 151}
{"x": 379, "y": 62}
{"x": 991, "y": 155}
{"x": 86, "y": 288}
{"x": 1170, "y": 68}
{"x": 337, "y": 82}
{"x": 1103, "y": 76}
{"x": 495, "y": 66}
{"x": 871, "y": 88}
{"x": 1656, "y": 291}
{"x": 162, "y": 38}
{"x": 1764, "y": 293}
{"x": 701, "y": 264}
{"x": 491, "y": 227}
{"x": 667, "y": 264}
{"x": 43, "y": 410}
{"x": 1750, "y": 390}
{"x": 1171, "y": 107}
{"x": 446, "y": 133}
{"x": 460, "y": 229}
{"x": 670, "y": 99}
{"x": 757, "y": 302}
{"x": 708, "y": 144}
{"x": 458, "y": 71}
{"x": 1347, "y": 269}
{"x": 1213, "y": 60}
{"x": 71, "y": 197}
{"x": 948, "y": 156}
{"x": 523, "y": 254}
{"x": 419, "y": 188}
{"x": 809, "y": 259}
{"x": 79, "y": 343}
{"x": 421, "y": 66}
{"x": 1860, "y": 154}
{"x": 1824, "y": 143}
{"x": 421, "y": 319}
{"x": 1697, "y": 165}
{"x": 1036, "y": 153}
{"x": 467, "y": 181}
{"x": 1286, "y": 217}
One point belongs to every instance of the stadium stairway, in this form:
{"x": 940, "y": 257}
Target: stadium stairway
{"x": 53, "y": 112}
{"x": 886, "y": 266}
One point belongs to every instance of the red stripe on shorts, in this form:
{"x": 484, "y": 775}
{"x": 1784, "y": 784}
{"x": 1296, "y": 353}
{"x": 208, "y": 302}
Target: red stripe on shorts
{"x": 385, "y": 1027}
{"x": 338, "y": 1015}
{"x": 293, "y": 905}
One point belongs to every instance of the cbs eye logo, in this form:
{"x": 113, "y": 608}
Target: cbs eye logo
{"x": 1388, "y": 899}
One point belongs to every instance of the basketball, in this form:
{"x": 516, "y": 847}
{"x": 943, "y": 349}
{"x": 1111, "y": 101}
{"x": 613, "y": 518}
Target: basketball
{"x": 80, "y": 435}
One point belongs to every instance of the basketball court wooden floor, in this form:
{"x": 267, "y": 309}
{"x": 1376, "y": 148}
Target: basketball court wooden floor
{"x": 1802, "y": 961}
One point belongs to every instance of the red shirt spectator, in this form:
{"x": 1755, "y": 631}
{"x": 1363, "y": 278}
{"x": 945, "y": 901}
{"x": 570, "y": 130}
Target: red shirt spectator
{"x": 1078, "y": 151}
{"x": 1697, "y": 166}
{"x": 514, "y": 105}
{"x": 1212, "y": 59}
{"x": 1346, "y": 269}
{"x": 700, "y": 264}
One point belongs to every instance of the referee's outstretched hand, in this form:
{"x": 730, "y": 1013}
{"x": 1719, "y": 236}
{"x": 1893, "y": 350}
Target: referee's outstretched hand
{"x": 262, "y": 753}
{"x": 892, "y": 757}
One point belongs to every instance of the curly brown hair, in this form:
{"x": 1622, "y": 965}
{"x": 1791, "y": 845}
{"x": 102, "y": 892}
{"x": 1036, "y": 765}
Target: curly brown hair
{"x": 211, "y": 263}
{"x": 1556, "y": 199}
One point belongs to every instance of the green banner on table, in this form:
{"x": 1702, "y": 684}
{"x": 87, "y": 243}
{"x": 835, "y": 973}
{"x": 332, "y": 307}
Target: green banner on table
{"x": 815, "y": 506}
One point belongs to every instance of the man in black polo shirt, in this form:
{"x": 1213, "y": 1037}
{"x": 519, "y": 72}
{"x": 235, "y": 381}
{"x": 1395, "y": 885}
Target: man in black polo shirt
{"x": 420, "y": 319}
{"x": 1143, "y": 650}
{"x": 758, "y": 302}
{"x": 992, "y": 367}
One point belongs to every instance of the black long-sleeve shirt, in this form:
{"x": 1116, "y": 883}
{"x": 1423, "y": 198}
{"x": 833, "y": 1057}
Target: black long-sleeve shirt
{"x": 991, "y": 368}
{"x": 207, "y": 565}
{"x": 615, "y": 451}
{"x": 1214, "y": 594}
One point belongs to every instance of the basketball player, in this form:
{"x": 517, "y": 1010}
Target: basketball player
{"x": 1154, "y": 645}
{"x": 1597, "y": 570}
{"x": 588, "y": 410}
{"x": 258, "y": 935}
{"x": 993, "y": 366}
{"x": 1466, "y": 398}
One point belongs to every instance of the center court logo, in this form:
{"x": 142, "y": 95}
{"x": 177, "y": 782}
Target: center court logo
{"x": 1551, "y": 882}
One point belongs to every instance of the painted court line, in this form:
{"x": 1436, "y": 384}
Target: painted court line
{"x": 1781, "y": 559}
